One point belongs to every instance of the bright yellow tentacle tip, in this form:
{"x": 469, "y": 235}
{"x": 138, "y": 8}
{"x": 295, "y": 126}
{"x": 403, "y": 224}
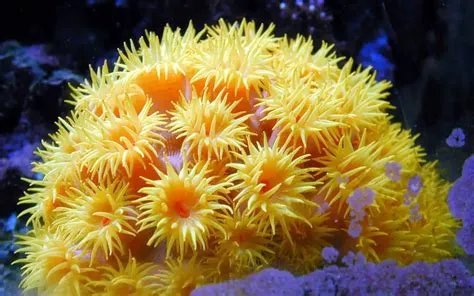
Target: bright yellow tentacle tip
{"x": 209, "y": 126}
{"x": 184, "y": 208}
{"x": 97, "y": 217}
{"x": 270, "y": 181}
{"x": 131, "y": 278}
{"x": 53, "y": 265}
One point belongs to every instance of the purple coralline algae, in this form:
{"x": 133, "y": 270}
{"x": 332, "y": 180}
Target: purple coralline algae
{"x": 461, "y": 203}
{"x": 358, "y": 277}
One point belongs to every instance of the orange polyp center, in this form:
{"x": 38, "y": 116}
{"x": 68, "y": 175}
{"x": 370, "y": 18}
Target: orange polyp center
{"x": 266, "y": 185}
{"x": 302, "y": 232}
{"x": 271, "y": 176}
{"x": 123, "y": 289}
{"x": 221, "y": 122}
{"x": 105, "y": 221}
{"x": 163, "y": 91}
{"x": 181, "y": 200}
{"x": 181, "y": 209}
{"x": 52, "y": 262}
{"x": 241, "y": 235}
{"x": 136, "y": 98}
{"x": 140, "y": 171}
{"x": 207, "y": 123}
{"x": 50, "y": 204}
{"x": 119, "y": 130}
{"x": 231, "y": 91}
{"x": 68, "y": 148}
{"x": 100, "y": 204}
{"x": 98, "y": 110}
{"x": 138, "y": 101}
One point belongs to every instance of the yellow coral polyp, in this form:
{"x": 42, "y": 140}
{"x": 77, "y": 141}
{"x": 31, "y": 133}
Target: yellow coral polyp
{"x": 159, "y": 66}
{"x": 434, "y": 228}
{"x": 97, "y": 216}
{"x": 271, "y": 181}
{"x": 132, "y": 278}
{"x": 245, "y": 244}
{"x": 91, "y": 94}
{"x": 180, "y": 276}
{"x": 121, "y": 142}
{"x": 183, "y": 208}
{"x": 362, "y": 98}
{"x": 400, "y": 230}
{"x": 53, "y": 266}
{"x": 65, "y": 140}
{"x": 398, "y": 143}
{"x": 302, "y": 253}
{"x": 210, "y": 129}
{"x": 385, "y": 236}
{"x": 349, "y": 166}
{"x": 296, "y": 57}
{"x": 208, "y": 155}
{"x": 45, "y": 196}
{"x": 298, "y": 111}
{"x": 235, "y": 58}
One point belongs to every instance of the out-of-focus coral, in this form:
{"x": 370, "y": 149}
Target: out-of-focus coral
{"x": 32, "y": 93}
{"x": 20, "y": 160}
{"x": 10, "y": 277}
{"x": 375, "y": 53}
{"x": 32, "y": 86}
{"x": 201, "y": 156}
{"x": 9, "y": 227}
